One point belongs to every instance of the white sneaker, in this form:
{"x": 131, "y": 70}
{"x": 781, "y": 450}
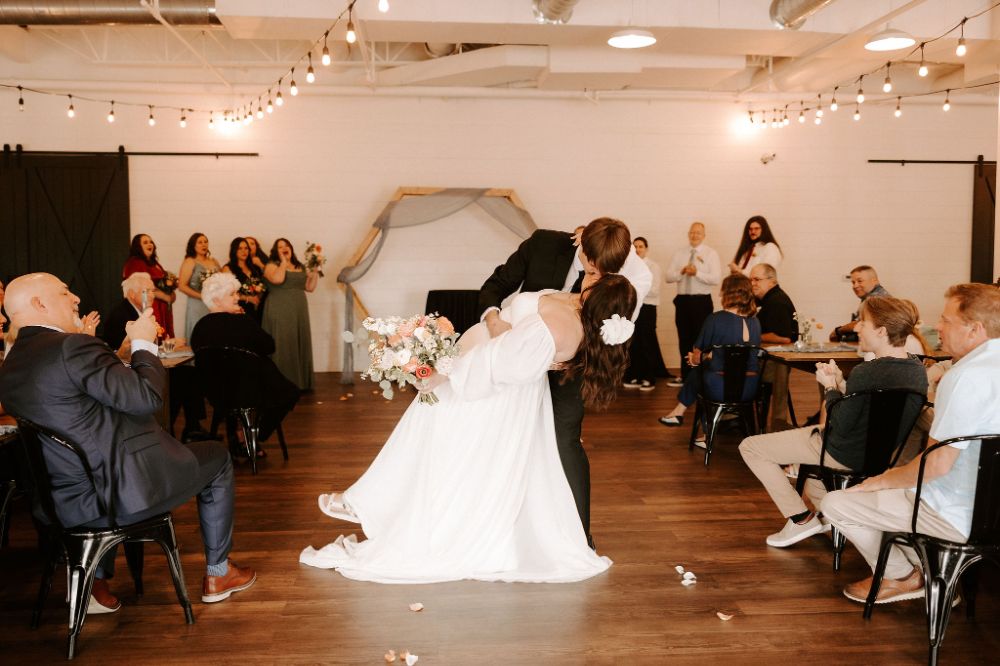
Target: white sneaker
{"x": 630, "y": 384}
{"x": 675, "y": 382}
{"x": 646, "y": 385}
{"x": 793, "y": 532}
{"x": 700, "y": 443}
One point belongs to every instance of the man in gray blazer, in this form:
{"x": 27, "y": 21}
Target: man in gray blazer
{"x": 76, "y": 386}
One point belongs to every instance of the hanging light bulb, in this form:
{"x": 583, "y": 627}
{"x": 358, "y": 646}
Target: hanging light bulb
{"x": 784, "y": 120}
{"x": 294, "y": 89}
{"x": 152, "y": 120}
{"x": 947, "y": 101}
{"x": 819, "y": 106}
{"x": 857, "y": 112}
{"x": 750, "y": 117}
{"x": 818, "y": 120}
{"x": 802, "y": 114}
{"x": 383, "y": 6}
{"x": 260, "y": 110}
{"x": 20, "y": 99}
{"x": 833, "y": 103}
{"x": 278, "y": 100}
{"x": 887, "y": 86}
{"x": 211, "y": 120}
{"x": 351, "y": 35}
{"x": 960, "y": 50}
{"x": 310, "y": 74}
{"x": 922, "y": 71}
{"x": 184, "y": 120}
{"x": 70, "y": 112}
{"x": 861, "y": 89}
{"x": 270, "y": 105}
{"x": 111, "y": 113}
{"x": 898, "y": 112}
{"x": 326, "y": 51}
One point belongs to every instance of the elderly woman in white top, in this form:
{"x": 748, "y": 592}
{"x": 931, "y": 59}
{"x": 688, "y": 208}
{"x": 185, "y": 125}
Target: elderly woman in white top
{"x": 757, "y": 246}
{"x": 645, "y": 356}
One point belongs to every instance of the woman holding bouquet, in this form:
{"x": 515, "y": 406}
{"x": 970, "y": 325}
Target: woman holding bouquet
{"x": 472, "y": 487}
{"x": 286, "y": 313}
{"x": 251, "y": 289}
{"x": 142, "y": 259}
{"x": 198, "y": 264}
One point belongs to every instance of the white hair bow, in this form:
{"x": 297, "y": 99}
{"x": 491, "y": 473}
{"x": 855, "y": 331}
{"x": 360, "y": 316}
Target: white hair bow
{"x": 616, "y": 330}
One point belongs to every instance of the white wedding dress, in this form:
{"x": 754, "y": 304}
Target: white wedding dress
{"x": 472, "y": 487}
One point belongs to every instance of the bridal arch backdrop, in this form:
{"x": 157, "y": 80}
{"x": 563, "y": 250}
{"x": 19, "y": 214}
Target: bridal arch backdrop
{"x": 410, "y": 207}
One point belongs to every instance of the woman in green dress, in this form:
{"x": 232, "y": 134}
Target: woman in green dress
{"x": 286, "y": 313}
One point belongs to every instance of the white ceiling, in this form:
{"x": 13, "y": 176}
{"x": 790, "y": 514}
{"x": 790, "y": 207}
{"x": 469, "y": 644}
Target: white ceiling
{"x": 704, "y": 47}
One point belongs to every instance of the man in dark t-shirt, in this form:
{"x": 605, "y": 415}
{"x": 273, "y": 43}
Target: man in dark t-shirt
{"x": 776, "y": 314}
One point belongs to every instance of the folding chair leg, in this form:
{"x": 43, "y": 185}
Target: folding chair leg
{"x": 281, "y": 441}
{"x": 839, "y": 541}
{"x": 248, "y": 420}
{"x": 134, "y": 555}
{"x": 942, "y": 569}
{"x": 48, "y": 571}
{"x": 713, "y": 426}
{"x": 168, "y": 541}
{"x": 883, "y": 559}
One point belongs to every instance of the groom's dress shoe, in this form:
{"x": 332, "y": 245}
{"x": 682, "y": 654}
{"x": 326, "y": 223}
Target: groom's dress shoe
{"x": 219, "y": 588}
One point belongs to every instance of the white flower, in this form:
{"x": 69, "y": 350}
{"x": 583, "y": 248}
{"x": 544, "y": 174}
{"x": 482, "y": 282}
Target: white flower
{"x": 348, "y": 336}
{"x": 616, "y": 330}
{"x": 369, "y": 324}
{"x": 386, "y": 361}
{"x": 421, "y": 333}
{"x": 403, "y": 357}
{"x": 385, "y": 326}
{"x": 445, "y": 365}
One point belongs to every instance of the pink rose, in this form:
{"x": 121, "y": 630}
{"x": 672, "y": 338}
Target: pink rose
{"x": 406, "y": 329}
{"x": 445, "y": 327}
{"x": 411, "y": 365}
{"x": 394, "y": 340}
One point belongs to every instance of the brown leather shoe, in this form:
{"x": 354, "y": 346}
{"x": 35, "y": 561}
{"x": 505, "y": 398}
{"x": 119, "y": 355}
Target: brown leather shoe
{"x": 218, "y": 588}
{"x": 911, "y": 587}
{"x": 101, "y": 599}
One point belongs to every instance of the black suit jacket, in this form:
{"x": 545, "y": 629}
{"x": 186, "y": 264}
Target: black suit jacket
{"x": 77, "y": 387}
{"x": 541, "y": 262}
{"x": 113, "y": 326}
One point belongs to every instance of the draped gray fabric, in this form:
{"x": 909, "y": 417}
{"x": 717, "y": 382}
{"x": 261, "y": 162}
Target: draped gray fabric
{"x": 421, "y": 209}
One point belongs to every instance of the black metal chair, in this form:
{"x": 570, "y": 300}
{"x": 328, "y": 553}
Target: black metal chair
{"x": 233, "y": 380}
{"x": 944, "y": 561}
{"x": 83, "y": 547}
{"x": 740, "y": 363}
{"x": 888, "y": 427}
{"x": 9, "y": 485}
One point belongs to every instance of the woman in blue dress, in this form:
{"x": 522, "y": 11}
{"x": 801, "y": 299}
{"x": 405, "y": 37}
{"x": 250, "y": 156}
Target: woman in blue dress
{"x": 734, "y": 324}
{"x": 197, "y": 265}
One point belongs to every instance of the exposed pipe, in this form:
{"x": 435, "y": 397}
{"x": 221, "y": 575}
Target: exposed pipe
{"x": 102, "y": 12}
{"x": 791, "y": 14}
{"x": 553, "y": 11}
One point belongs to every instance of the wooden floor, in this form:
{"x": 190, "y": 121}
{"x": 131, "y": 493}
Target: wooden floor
{"x": 655, "y": 506}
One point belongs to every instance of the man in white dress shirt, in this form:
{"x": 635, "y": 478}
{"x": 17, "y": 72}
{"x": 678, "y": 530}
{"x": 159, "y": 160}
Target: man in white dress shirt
{"x": 967, "y": 403}
{"x": 696, "y": 270}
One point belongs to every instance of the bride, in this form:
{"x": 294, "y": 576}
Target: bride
{"x": 472, "y": 487}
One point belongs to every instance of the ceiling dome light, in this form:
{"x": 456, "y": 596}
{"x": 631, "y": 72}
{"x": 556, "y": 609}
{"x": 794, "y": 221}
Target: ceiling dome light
{"x": 631, "y": 39}
{"x": 890, "y": 40}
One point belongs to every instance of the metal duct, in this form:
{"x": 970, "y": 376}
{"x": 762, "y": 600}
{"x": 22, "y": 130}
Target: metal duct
{"x": 103, "y": 12}
{"x": 553, "y": 11}
{"x": 791, "y": 14}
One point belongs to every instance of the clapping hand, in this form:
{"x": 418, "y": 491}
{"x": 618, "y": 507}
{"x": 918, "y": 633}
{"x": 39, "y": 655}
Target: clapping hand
{"x": 89, "y": 323}
{"x": 829, "y": 375}
{"x": 143, "y": 328}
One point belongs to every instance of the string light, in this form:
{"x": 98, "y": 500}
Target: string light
{"x": 833, "y": 103}
{"x": 802, "y": 113}
{"x": 887, "y": 86}
{"x": 326, "y": 51}
{"x": 923, "y": 65}
{"x": 861, "y": 89}
{"x": 819, "y": 106}
{"x": 898, "y": 112}
{"x": 383, "y": 6}
{"x": 818, "y": 120}
{"x": 260, "y": 110}
{"x": 294, "y": 89}
{"x": 211, "y": 121}
{"x": 184, "y": 120}
{"x": 947, "y": 101}
{"x": 351, "y": 37}
{"x": 310, "y": 74}
{"x": 20, "y": 98}
{"x": 152, "y": 120}
{"x": 960, "y": 50}
{"x": 750, "y": 116}
{"x": 70, "y": 112}
{"x": 111, "y": 113}
{"x": 270, "y": 104}
{"x": 857, "y": 112}
{"x": 785, "y": 121}
{"x": 278, "y": 100}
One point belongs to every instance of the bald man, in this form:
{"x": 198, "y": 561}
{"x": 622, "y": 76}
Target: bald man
{"x": 76, "y": 386}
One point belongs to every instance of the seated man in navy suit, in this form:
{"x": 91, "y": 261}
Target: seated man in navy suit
{"x": 74, "y": 385}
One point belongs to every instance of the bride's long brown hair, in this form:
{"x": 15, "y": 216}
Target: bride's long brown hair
{"x": 600, "y": 365}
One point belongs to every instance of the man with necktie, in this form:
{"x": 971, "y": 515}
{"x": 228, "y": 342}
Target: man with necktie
{"x": 696, "y": 270}
{"x": 550, "y": 260}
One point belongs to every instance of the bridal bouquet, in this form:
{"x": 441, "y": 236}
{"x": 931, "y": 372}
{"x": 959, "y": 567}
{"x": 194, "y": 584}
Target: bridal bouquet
{"x": 409, "y": 350}
{"x": 315, "y": 259}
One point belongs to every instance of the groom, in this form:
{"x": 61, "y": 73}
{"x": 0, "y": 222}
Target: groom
{"x": 550, "y": 260}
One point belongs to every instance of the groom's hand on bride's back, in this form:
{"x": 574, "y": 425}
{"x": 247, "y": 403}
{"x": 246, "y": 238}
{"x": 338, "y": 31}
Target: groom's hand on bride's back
{"x": 494, "y": 324}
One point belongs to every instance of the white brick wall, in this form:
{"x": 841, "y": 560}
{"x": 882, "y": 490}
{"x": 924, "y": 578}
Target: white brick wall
{"x": 328, "y": 165}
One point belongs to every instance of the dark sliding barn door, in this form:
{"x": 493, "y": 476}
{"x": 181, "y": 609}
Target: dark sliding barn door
{"x": 983, "y": 222}
{"x": 69, "y": 216}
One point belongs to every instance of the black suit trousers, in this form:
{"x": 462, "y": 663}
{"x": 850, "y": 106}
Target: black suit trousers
{"x": 690, "y": 313}
{"x": 567, "y": 409}
{"x": 213, "y": 486}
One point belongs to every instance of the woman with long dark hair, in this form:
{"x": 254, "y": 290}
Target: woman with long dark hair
{"x": 734, "y": 324}
{"x": 240, "y": 264}
{"x": 473, "y": 487}
{"x": 142, "y": 259}
{"x": 198, "y": 264}
{"x": 286, "y": 313}
{"x": 757, "y": 246}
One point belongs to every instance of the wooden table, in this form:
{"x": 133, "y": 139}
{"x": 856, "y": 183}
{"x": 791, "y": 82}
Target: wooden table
{"x": 846, "y": 356}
